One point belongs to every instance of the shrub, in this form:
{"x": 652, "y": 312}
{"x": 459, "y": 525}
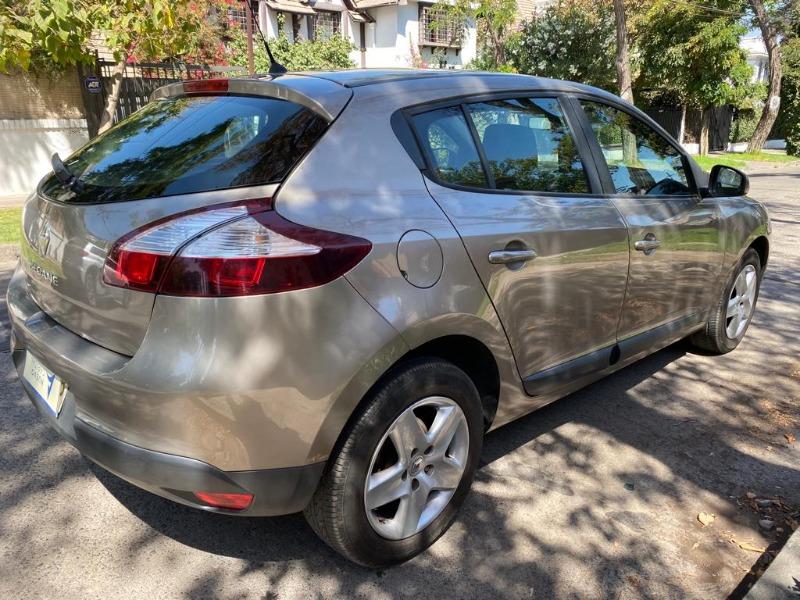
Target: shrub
{"x": 302, "y": 55}
{"x": 574, "y": 41}
{"x": 744, "y": 125}
{"x": 789, "y": 117}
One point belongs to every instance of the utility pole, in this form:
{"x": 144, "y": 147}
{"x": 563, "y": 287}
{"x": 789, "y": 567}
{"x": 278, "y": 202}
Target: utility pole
{"x": 251, "y": 63}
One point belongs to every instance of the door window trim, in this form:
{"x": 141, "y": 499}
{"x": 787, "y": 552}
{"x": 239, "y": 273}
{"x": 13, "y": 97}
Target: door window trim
{"x": 599, "y": 160}
{"x": 406, "y": 131}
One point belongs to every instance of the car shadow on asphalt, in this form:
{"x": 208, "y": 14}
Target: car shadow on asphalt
{"x": 653, "y": 425}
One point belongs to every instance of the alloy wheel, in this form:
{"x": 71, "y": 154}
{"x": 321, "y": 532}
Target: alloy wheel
{"x": 416, "y": 467}
{"x": 741, "y": 302}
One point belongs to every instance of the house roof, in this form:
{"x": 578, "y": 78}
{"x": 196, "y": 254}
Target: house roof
{"x": 291, "y": 6}
{"x": 362, "y": 4}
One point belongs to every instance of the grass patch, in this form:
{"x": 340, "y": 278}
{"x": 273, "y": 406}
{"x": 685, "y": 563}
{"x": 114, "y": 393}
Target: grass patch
{"x": 10, "y": 225}
{"x": 739, "y": 160}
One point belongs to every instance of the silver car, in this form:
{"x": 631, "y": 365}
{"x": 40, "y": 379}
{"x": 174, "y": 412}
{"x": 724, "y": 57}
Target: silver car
{"x": 316, "y": 292}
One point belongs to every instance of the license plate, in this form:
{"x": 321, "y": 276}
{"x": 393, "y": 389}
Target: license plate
{"x": 46, "y": 384}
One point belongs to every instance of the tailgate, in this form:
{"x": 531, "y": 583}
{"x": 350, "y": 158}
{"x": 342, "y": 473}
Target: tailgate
{"x": 64, "y": 248}
{"x": 181, "y": 152}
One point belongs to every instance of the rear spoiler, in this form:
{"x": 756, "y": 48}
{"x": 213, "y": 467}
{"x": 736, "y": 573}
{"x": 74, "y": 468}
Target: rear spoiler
{"x": 321, "y": 96}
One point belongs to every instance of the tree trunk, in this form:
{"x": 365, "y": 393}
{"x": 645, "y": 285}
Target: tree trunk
{"x": 251, "y": 61}
{"x": 705, "y": 125}
{"x": 682, "y": 129}
{"x": 107, "y": 118}
{"x": 623, "y": 61}
{"x": 770, "y": 112}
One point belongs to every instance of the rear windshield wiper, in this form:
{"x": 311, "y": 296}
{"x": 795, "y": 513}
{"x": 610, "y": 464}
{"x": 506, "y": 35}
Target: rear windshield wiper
{"x": 64, "y": 175}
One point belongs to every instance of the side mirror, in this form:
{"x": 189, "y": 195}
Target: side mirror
{"x": 727, "y": 181}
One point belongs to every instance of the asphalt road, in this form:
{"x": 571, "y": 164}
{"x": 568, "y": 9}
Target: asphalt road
{"x": 595, "y": 496}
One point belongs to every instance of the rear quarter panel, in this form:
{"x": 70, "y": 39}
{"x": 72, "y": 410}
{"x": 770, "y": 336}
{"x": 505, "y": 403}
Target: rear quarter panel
{"x": 359, "y": 180}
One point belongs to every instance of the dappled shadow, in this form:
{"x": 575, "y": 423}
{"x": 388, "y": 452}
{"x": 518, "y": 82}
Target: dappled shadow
{"x": 593, "y": 496}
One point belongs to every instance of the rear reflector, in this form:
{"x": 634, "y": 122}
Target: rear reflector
{"x": 230, "y": 251}
{"x": 223, "y": 500}
{"x": 205, "y": 86}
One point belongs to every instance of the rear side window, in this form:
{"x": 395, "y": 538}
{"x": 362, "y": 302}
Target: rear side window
{"x": 191, "y": 144}
{"x": 528, "y": 145}
{"x": 451, "y": 149}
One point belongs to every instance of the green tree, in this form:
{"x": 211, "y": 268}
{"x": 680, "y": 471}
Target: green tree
{"x": 44, "y": 35}
{"x": 790, "y": 92}
{"x": 54, "y": 34}
{"x": 494, "y": 21}
{"x": 692, "y": 52}
{"x": 574, "y": 40}
{"x": 147, "y": 29}
{"x": 775, "y": 19}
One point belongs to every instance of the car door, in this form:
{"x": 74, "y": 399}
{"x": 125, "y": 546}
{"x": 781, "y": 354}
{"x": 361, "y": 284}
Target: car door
{"x": 552, "y": 253}
{"x": 675, "y": 243}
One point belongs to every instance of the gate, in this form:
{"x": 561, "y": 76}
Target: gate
{"x": 719, "y": 127}
{"x": 139, "y": 80}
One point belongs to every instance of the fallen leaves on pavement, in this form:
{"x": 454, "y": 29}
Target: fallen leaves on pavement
{"x": 706, "y": 518}
{"x": 750, "y": 547}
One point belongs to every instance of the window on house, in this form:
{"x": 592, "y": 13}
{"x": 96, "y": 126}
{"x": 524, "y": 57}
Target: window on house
{"x": 326, "y": 24}
{"x": 438, "y": 26}
{"x": 237, "y": 15}
{"x": 297, "y": 21}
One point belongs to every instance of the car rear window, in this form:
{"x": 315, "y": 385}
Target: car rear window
{"x": 190, "y": 144}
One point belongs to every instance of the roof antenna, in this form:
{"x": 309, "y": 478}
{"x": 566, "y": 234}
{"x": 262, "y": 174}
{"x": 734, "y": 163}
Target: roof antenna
{"x": 275, "y": 68}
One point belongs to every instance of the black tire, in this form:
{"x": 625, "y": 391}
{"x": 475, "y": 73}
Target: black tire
{"x": 337, "y": 512}
{"x": 713, "y": 337}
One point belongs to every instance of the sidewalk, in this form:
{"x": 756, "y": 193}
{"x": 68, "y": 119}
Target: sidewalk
{"x": 11, "y": 201}
{"x": 782, "y": 578}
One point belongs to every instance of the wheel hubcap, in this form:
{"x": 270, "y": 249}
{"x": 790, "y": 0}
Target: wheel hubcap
{"x": 741, "y": 302}
{"x": 416, "y": 468}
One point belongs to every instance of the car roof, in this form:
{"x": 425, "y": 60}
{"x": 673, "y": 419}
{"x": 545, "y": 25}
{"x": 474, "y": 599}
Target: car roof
{"x": 360, "y": 77}
{"x": 412, "y": 79}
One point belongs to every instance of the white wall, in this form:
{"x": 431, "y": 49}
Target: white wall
{"x": 757, "y": 57}
{"x": 26, "y": 146}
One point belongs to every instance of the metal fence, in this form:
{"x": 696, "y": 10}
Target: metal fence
{"x": 719, "y": 128}
{"x": 139, "y": 80}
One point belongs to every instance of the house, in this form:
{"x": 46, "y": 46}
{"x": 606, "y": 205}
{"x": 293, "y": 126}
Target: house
{"x": 386, "y": 33}
{"x": 757, "y": 58}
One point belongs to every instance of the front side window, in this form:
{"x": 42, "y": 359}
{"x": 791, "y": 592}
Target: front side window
{"x": 528, "y": 145}
{"x": 190, "y": 144}
{"x": 639, "y": 159}
{"x": 446, "y": 137}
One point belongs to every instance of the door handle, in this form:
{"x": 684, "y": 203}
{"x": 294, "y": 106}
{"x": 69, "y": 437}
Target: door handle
{"x": 504, "y": 257}
{"x": 648, "y": 245}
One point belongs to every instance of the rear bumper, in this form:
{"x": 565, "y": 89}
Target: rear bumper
{"x": 242, "y": 384}
{"x": 219, "y": 398}
{"x": 276, "y": 491}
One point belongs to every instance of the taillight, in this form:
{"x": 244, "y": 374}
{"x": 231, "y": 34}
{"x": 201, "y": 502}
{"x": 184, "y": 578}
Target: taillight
{"x": 230, "y": 251}
{"x": 225, "y": 500}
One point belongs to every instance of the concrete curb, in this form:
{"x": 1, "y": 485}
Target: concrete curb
{"x": 782, "y": 577}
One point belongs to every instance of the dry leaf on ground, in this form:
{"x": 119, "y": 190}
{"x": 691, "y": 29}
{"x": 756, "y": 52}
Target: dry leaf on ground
{"x": 790, "y": 438}
{"x": 706, "y": 518}
{"x": 750, "y": 547}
